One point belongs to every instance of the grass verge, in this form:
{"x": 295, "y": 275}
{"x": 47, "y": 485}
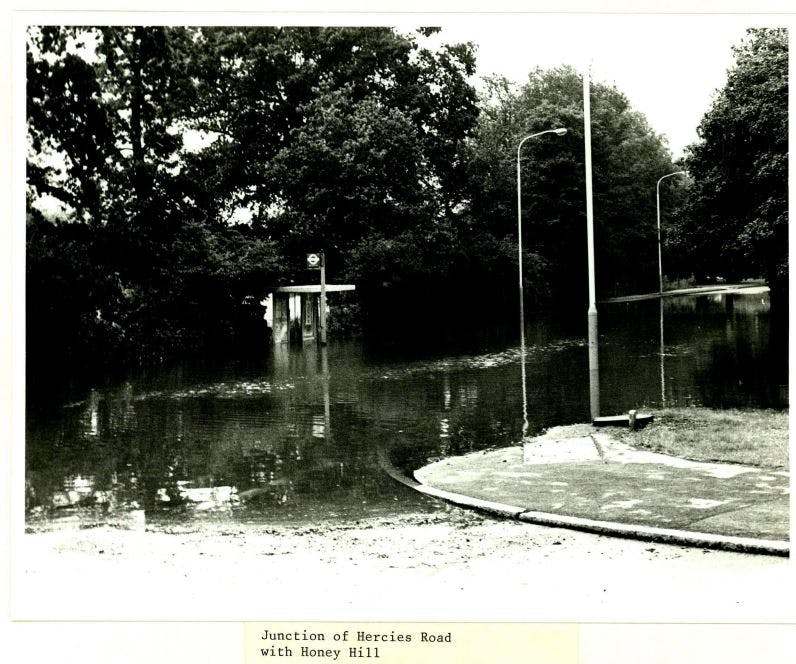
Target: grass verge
{"x": 751, "y": 437}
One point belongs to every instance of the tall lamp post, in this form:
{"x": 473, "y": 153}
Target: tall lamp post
{"x": 660, "y": 279}
{"x": 658, "y": 207}
{"x": 591, "y": 315}
{"x": 558, "y": 132}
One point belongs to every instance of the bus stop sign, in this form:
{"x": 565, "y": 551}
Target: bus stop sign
{"x": 313, "y": 261}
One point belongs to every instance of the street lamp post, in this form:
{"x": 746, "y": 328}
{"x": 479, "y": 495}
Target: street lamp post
{"x": 660, "y": 280}
{"x": 558, "y": 132}
{"x": 591, "y": 315}
{"x": 658, "y": 207}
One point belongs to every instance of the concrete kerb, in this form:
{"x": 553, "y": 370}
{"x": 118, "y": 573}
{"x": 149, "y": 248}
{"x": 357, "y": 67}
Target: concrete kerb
{"x": 498, "y": 509}
{"x": 661, "y": 535}
{"x": 609, "y": 528}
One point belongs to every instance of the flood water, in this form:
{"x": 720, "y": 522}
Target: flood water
{"x": 295, "y": 435}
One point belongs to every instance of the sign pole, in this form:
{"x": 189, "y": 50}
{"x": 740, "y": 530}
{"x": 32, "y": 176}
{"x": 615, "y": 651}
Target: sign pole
{"x": 322, "y": 327}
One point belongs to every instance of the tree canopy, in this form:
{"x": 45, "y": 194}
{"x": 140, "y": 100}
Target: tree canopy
{"x": 196, "y": 165}
{"x": 735, "y": 222}
{"x": 627, "y": 159}
{"x": 143, "y": 273}
{"x": 330, "y": 135}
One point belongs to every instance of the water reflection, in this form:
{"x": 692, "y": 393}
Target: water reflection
{"x": 299, "y": 440}
{"x": 712, "y": 350}
{"x": 663, "y": 355}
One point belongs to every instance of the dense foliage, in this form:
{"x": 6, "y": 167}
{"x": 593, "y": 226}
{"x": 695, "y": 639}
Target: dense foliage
{"x": 735, "y": 223}
{"x": 627, "y": 159}
{"x": 130, "y": 268}
{"x": 175, "y": 173}
{"x": 349, "y": 140}
{"x": 142, "y": 245}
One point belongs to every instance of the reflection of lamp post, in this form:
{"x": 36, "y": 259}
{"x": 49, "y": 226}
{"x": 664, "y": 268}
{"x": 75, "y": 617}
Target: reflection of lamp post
{"x": 558, "y": 132}
{"x": 658, "y": 207}
{"x": 663, "y": 373}
{"x": 660, "y": 278}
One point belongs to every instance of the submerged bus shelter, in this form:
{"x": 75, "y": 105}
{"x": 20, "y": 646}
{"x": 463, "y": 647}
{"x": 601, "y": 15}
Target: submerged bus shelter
{"x": 293, "y": 312}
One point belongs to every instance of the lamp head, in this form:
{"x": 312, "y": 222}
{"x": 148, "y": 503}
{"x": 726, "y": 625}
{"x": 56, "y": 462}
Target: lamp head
{"x": 560, "y": 132}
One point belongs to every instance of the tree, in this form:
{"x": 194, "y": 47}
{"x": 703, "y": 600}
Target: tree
{"x": 131, "y": 258}
{"x": 349, "y": 140}
{"x": 102, "y": 108}
{"x": 355, "y": 169}
{"x": 627, "y": 158}
{"x": 736, "y": 219}
{"x": 331, "y": 133}
{"x": 69, "y": 131}
{"x": 324, "y": 137}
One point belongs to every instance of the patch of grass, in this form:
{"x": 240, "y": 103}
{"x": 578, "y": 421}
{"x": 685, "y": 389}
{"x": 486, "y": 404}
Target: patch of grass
{"x": 751, "y": 437}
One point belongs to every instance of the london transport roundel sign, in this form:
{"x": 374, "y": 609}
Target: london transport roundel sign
{"x": 313, "y": 261}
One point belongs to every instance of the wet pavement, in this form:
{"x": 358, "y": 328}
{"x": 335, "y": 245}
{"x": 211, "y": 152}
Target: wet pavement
{"x": 595, "y": 477}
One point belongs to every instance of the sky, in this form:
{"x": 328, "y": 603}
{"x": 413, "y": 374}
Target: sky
{"x": 668, "y": 66}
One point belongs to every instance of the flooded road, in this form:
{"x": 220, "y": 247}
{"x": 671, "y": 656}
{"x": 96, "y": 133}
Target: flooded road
{"x": 292, "y": 435}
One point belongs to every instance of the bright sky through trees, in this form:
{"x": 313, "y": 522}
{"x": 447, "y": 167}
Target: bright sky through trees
{"x": 668, "y": 66}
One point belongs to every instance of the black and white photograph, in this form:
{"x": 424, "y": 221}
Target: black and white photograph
{"x": 477, "y": 317}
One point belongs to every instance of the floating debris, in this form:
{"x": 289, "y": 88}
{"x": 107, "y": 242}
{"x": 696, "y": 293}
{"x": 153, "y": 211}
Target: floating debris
{"x": 223, "y": 390}
{"x": 465, "y": 362}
